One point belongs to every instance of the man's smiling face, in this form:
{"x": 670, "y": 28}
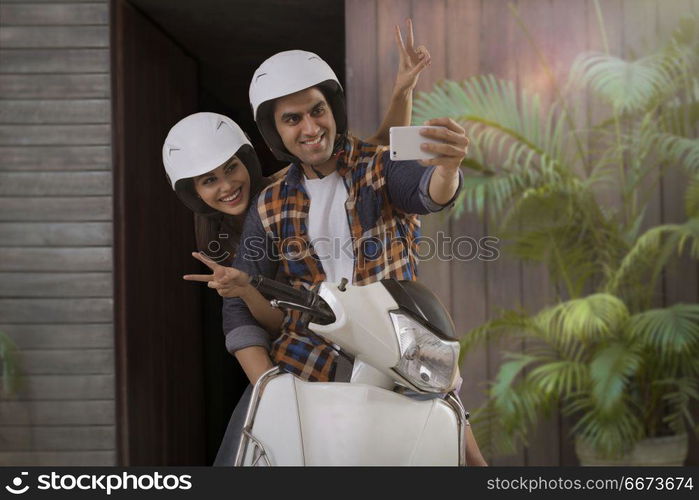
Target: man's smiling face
{"x": 306, "y": 125}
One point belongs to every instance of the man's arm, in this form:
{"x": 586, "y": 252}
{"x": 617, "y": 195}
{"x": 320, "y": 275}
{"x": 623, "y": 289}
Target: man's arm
{"x": 473, "y": 452}
{"x": 408, "y": 185}
{"x": 451, "y": 151}
{"x": 418, "y": 190}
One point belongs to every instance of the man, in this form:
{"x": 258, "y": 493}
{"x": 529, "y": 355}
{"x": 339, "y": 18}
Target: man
{"x": 339, "y": 193}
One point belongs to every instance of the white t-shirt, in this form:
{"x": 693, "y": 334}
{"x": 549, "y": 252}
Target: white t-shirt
{"x": 328, "y": 228}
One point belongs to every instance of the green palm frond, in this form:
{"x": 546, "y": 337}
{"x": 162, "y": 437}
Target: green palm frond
{"x": 639, "y": 259}
{"x": 491, "y": 434}
{"x": 561, "y": 226}
{"x": 542, "y": 207}
{"x": 627, "y": 85}
{"x": 691, "y": 198}
{"x": 556, "y": 247}
{"x": 509, "y": 324}
{"x": 505, "y": 400}
{"x": 593, "y": 318}
{"x": 681, "y": 151}
{"x": 508, "y": 136}
{"x": 678, "y": 394}
{"x": 515, "y": 398}
{"x": 611, "y": 369}
{"x": 631, "y": 233}
{"x": 680, "y": 114}
{"x": 684, "y": 44}
{"x": 651, "y": 252}
{"x": 489, "y": 102}
{"x": 670, "y": 331}
{"x": 560, "y": 378}
{"x": 611, "y": 432}
{"x": 495, "y": 190}
{"x": 687, "y": 237}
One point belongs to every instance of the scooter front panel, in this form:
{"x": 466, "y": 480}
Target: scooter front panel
{"x": 276, "y": 423}
{"x": 363, "y": 324}
{"x": 316, "y": 423}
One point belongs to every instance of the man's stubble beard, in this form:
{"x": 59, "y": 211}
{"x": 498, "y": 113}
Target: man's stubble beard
{"x": 329, "y": 157}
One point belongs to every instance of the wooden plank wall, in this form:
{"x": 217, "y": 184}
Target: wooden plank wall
{"x": 470, "y": 37}
{"x": 56, "y": 231}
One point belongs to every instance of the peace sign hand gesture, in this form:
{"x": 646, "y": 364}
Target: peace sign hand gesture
{"x": 412, "y": 60}
{"x": 227, "y": 281}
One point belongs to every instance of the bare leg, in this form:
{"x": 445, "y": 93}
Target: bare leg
{"x": 473, "y": 453}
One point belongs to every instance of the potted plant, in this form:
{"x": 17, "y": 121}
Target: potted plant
{"x": 622, "y": 368}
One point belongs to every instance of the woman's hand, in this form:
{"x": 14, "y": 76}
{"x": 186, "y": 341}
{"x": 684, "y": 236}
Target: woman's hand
{"x": 227, "y": 281}
{"x": 230, "y": 282}
{"x": 412, "y": 60}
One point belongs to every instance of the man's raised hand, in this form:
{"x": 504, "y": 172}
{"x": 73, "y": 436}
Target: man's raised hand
{"x": 412, "y": 60}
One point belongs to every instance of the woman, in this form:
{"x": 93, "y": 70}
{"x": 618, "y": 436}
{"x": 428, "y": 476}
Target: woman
{"x": 213, "y": 168}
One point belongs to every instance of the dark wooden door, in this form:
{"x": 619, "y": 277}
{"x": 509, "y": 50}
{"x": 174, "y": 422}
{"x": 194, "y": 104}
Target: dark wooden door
{"x": 158, "y": 318}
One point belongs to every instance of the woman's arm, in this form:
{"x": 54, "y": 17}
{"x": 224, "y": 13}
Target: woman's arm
{"x": 411, "y": 63}
{"x": 269, "y": 317}
{"x": 230, "y": 282}
{"x": 255, "y": 361}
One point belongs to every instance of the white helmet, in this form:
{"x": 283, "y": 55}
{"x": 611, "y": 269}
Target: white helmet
{"x": 286, "y": 73}
{"x": 200, "y": 143}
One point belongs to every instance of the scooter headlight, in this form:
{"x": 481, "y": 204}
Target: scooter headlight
{"x": 426, "y": 361}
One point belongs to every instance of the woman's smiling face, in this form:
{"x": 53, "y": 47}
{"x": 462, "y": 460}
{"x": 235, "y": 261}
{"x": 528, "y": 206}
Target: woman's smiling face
{"x": 226, "y": 188}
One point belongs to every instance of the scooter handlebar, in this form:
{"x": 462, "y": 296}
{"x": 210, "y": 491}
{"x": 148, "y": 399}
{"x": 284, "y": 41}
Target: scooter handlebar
{"x": 288, "y": 297}
{"x": 276, "y": 290}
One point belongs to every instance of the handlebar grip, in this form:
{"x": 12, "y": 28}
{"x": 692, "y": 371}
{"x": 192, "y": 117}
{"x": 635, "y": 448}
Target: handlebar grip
{"x": 272, "y": 288}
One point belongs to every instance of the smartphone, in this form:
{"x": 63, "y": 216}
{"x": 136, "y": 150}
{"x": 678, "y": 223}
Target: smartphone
{"x": 405, "y": 143}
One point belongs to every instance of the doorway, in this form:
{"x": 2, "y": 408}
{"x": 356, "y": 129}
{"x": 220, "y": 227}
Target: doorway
{"x": 176, "y": 384}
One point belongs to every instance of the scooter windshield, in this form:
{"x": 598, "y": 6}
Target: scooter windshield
{"x": 423, "y": 305}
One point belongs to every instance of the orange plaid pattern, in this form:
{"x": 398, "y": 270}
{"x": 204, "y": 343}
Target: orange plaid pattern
{"x": 383, "y": 240}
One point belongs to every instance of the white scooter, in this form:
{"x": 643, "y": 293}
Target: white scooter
{"x": 401, "y": 339}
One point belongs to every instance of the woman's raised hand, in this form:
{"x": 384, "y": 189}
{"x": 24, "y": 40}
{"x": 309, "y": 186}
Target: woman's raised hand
{"x": 227, "y": 281}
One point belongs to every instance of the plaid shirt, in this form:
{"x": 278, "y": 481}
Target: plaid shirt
{"x": 383, "y": 198}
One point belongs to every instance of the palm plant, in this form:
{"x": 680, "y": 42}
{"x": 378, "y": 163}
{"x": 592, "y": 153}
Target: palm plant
{"x": 623, "y": 369}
